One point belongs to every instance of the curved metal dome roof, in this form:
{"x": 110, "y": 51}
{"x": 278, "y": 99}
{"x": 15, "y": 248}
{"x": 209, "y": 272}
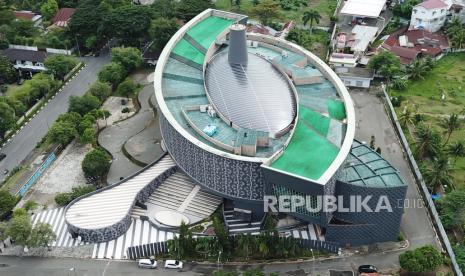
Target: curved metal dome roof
{"x": 255, "y": 96}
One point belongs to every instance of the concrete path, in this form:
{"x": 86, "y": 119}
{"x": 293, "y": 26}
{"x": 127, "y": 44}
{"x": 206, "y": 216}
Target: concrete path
{"x": 373, "y": 120}
{"x": 113, "y": 137}
{"x": 27, "y": 138}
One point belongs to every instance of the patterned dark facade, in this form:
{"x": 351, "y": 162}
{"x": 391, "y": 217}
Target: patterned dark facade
{"x": 114, "y": 231}
{"x": 226, "y": 177}
{"x": 247, "y": 182}
{"x": 365, "y": 227}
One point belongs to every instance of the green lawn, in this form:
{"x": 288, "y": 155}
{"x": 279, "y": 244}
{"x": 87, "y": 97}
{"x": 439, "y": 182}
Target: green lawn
{"x": 447, "y": 77}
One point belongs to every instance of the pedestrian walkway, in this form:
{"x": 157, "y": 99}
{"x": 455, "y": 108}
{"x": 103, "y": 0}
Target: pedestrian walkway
{"x": 140, "y": 232}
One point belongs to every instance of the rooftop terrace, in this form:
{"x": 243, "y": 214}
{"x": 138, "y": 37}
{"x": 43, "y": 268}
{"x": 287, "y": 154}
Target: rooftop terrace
{"x": 316, "y": 137}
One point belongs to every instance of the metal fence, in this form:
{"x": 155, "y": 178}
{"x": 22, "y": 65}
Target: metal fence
{"x": 424, "y": 190}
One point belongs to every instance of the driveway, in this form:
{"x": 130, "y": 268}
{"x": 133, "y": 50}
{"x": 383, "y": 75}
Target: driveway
{"x": 373, "y": 120}
{"x": 113, "y": 137}
{"x": 26, "y": 139}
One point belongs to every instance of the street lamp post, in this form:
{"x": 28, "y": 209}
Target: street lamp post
{"x": 218, "y": 263}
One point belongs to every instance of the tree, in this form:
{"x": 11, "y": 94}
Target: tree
{"x": 312, "y": 16}
{"x": 129, "y": 23}
{"x": 129, "y": 57}
{"x": 7, "y": 118}
{"x": 83, "y": 104}
{"x": 87, "y": 136}
{"x": 188, "y": 9}
{"x": 427, "y": 141}
{"x": 451, "y": 124}
{"x": 87, "y": 20}
{"x": 96, "y": 163}
{"x": 385, "y": 64}
{"x": 423, "y": 259}
{"x": 164, "y": 8}
{"x": 6, "y": 14}
{"x": 161, "y": 30}
{"x": 20, "y": 228}
{"x": 73, "y": 118}
{"x": 456, "y": 33}
{"x": 439, "y": 174}
{"x": 126, "y": 88}
{"x": 452, "y": 209}
{"x": 456, "y": 150}
{"x": 112, "y": 73}
{"x": 417, "y": 69}
{"x": 41, "y": 235}
{"x": 60, "y": 65}
{"x": 49, "y": 9}
{"x": 100, "y": 90}
{"x": 7, "y": 203}
{"x": 399, "y": 83}
{"x": 406, "y": 118}
{"x": 266, "y": 11}
{"x": 222, "y": 234}
{"x": 7, "y": 71}
{"x": 62, "y": 133}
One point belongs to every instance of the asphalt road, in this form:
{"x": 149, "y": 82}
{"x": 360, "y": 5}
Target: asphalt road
{"x": 17, "y": 266}
{"x": 373, "y": 120}
{"x": 27, "y": 138}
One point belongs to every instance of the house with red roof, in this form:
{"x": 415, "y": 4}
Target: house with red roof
{"x": 28, "y": 16}
{"x": 62, "y": 17}
{"x": 410, "y": 44}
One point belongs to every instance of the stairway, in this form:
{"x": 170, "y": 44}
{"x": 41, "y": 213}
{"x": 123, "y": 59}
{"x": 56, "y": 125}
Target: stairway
{"x": 239, "y": 226}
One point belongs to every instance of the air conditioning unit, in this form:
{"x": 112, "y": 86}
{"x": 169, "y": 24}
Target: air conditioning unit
{"x": 284, "y": 54}
{"x": 204, "y": 108}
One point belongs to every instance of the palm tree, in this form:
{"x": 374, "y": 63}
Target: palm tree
{"x": 407, "y": 117}
{"x": 399, "y": 83}
{"x": 440, "y": 173}
{"x": 451, "y": 124}
{"x": 427, "y": 141}
{"x": 416, "y": 69}
{"x": 312, "y": 16}
{"x": 458, "y": 39}
{"x": 456, "y": 150}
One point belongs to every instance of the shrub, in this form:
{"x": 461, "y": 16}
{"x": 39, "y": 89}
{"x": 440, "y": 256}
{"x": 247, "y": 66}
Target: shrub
{"x": 423, "y": 259}
{"x": 84, "y": 104}
{"x": 7, "y": 203}
{"x": 65, "y": 198}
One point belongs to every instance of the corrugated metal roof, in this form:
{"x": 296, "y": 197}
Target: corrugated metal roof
{"x": 256, "y": 96}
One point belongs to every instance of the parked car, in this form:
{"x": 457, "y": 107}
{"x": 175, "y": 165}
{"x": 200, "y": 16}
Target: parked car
{"x": 367, "y": 269}
{"x": 173, "y": 264}
{"x": 147, "y": 263}
{"x": 6, "y": 171}
{"x": 2, "y": 156}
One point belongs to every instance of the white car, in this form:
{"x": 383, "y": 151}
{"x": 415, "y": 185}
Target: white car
{"x": 173, "y": 264}
{"x": 147, "y": 263}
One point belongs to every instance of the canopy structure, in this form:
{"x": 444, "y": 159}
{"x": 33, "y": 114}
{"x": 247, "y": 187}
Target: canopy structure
{"x": 362, "y": 36}
{"x": 363, "y": 8}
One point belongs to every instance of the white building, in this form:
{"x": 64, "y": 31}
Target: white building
{"x": 429, "y": 15}
{"x": 432, "y": 14}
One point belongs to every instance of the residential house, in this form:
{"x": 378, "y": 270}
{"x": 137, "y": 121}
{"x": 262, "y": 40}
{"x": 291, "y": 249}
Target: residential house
{"x": 429, "y": 15}
{"x": 356, "y": 76}
{"x": 29, "y": 16}
{"x": 62, "y": 17}
{"x": 29, "y": 59}
{"x": 410, "y": 44}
